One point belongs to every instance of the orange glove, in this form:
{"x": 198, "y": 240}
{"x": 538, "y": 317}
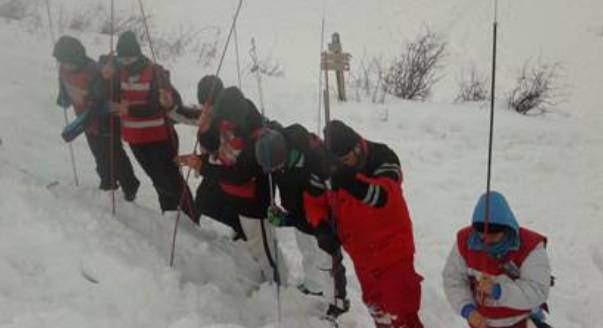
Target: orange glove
{"x": 122, "y": 108}
{"x": 190, "y": 160}
{"x": 476, "y": 320}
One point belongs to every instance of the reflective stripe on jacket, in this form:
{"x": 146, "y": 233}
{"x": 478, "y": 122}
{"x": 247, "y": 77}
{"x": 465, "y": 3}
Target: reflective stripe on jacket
{"x": 136, "y": 91}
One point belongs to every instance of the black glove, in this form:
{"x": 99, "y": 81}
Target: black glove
{"x": 327, "y": 238}
{"x": 344, "y": 178}
{"x": 63, "y": 101}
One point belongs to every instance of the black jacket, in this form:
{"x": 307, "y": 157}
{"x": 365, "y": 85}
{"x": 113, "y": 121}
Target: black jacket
{"x": 380, "y": 161}
{"x": 245, "y": 172}
{"x": 307, "y": 168}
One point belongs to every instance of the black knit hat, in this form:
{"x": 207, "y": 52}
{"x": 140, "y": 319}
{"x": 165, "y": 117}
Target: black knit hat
{"x": 232, "y": 106}
{"x": 209, "y": 87}
{"x": 128, "y": 46}
{"x": 69, "y": 50}
{"x": 271, "y": 150}
{"x": 341, "y": 139}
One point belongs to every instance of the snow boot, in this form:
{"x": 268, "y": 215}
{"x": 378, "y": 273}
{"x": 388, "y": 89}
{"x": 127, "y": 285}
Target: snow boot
{"x": 130, "y": 195}
{"x": 340, "y": 307}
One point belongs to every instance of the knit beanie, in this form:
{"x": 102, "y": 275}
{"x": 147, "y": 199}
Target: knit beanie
{"x": 209, "y": 87}
{"x": 232, "y": 106}
{"x": 128, "y": 46}
{"x": 340, "y": 138}
{"x": 271, "y": 150}
{"x": 69, "y": 50}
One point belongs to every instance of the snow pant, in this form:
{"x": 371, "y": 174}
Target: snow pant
{"x": 393, "y": 295}
{"x": 255, "y": 243}
{"x": 211, "y": 201}
{"x": 157, "y": 160}
{"x": 317, "y": 264}
{"x": 123, "y": 173}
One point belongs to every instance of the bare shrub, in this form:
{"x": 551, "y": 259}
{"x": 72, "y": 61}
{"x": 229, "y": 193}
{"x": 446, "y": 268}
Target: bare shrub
{"x": 536, "y": 88}
{"x": 268, "y": 66}
{"x": 15, "y": 9}
{"x": 80, "y": 19}
{"x": 366, "y": 79}
{"x": 174, "y": 44}
{"x": 80, "y": 22}
{"x": 207, "y": 48}
{"x": 472, "y": 86}
{"x": 413, "y": 73}
{"x": 121, "y": 24}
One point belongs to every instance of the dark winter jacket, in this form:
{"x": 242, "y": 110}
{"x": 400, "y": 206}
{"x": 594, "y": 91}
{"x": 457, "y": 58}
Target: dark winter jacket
{"x": 306, "y": 167}
{"x": 241, "y": 178}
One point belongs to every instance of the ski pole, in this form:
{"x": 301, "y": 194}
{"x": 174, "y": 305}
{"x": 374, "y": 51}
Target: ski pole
{"x": 112, "y": 119}
{"x": 69, "y": 145}
{"x": 274, "y": 263}
{"x": 71, "y": 153}
{"x": 492, "y": 102}
{"x": 206, "y": 105}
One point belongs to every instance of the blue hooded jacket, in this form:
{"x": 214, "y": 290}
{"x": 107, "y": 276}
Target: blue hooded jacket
{"x": 500, "y": 214}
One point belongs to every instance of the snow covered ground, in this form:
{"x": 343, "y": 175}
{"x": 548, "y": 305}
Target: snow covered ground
{"x": 66, "y": 262}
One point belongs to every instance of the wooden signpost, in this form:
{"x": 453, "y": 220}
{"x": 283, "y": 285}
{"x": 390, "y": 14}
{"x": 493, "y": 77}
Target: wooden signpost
{"x": 336, "y": 60}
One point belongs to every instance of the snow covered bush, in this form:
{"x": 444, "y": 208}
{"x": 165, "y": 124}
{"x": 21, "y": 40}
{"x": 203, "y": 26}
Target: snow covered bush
{"x": 366, "y": 79}
{"x": 413, "y": 72}
{"x": 14, "y": 9}
{"x": 472, "y": 86}
{"x": 121, "y": 24}
{"x": 207, "y": 49}
{"x": 536, "y": 88}
{"x": 171, "y": 44}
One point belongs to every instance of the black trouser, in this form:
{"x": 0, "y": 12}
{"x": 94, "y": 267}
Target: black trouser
{"x": 339, "y": 275}
{"x": 211, "y": 201}
{"x": 157, "y": 160}
{"x": 100, "y": 146}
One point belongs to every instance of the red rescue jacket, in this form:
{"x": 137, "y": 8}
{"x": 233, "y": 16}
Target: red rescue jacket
{"x": 77, "y": 87}
{"x": 373, "y": 237}
{"x": 482, "y": 262}
{"x": 145, "y": 129}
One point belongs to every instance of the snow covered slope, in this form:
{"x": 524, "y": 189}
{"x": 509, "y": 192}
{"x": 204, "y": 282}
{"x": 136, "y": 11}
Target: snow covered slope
{"x": 66, "y": 262}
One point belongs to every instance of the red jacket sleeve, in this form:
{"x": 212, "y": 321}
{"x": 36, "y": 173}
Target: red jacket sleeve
{"x": 316, "y": 208}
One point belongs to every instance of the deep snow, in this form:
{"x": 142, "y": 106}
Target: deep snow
{"x": 57, "y": 240}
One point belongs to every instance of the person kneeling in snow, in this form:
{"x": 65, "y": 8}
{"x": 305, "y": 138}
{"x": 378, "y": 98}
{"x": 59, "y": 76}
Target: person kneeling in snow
{"x": 367, "y": 210}
{"x": 498, "y": 274}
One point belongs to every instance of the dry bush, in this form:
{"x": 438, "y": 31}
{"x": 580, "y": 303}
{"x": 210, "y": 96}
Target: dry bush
{"x": 413, "y": 73}
{"x": 174, "y": 44}
{"x": 15, "y": 9}
{"x": 207, "y": 47}
{"x": 366, "y": 79}
{"x": 472, "y": 86}
{"x": 536, "y": 89}
{"x": 268, "y": 66}
{"x": 133, "y": 23}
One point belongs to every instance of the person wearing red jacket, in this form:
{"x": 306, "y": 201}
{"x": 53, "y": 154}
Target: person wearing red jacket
{"x": 366, "y": 208}
{"x": 498, "y": 273}
{"x": 143, "y": 97}
{"x": 79, "y": 77}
